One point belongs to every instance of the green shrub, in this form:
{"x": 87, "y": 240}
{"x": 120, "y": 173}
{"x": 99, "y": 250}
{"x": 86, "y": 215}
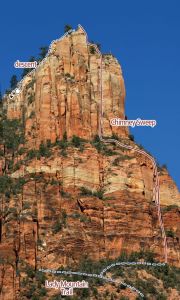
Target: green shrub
{"x": 95, "y": 291}
{"x": 57, "y": 297}
{"x": 42, "y": 292}
{"x": 7, "y": 91}
{"x": 28, "y": 70}
{"x": 54, "y": 182}
{"x": 32, "y": 115}
{"x": 65, "y": 194}
{"x": 76, "y": 215}
{"x": 43, "y": 52}
{"x": 161, "y": 297}
{"x": 116, "y": 161}
{"x": 170, "y": 233}
{"x": 40, "y": 277}
{"x": 30, "y": 292}
{"x": 134, "y": 256}
{"x": 119, "y": 272}
{"x": 31, "y": 84}
{"x": 35, "y": 297}
{"x": 115, "y": 136}
{"x": 11, "y": 133}
{"x": 64, "y": 217}
{"x": 101, "y": 147}
{"x": 169, "y": 275}
{"x": 131, "y": 137}
{"x": 18, "y": 185}
{"x": 5, "y": 183}
{"x": 30, "y": 271}
{"x": 170, "y": 207}
{"x": 123, "y": 256}
{"x": 1, "y": 153}
{"x": 147, "y": 255}
{"x": 10, "y": 165}
{"x": 108, "y": 152}
{"x": 65, "y": 136}
{"x": 13, "y": 82}
{"x": 96, "y": 44}
{"x": 85, "y": 191}
{"x": 57, "y": 226}
{"x": 49, "y": 144}
{"x": 63, "y": 152}
{"x": 84, "y": 219}
{"x": 32, "y": 154}
{"x": 63, "y": 144}
{"x": 77, "y": 142}
{"x": 92, "y": 49}
{"x": 44, "y": 150}
{"x": 87, "y": 265}
{"x": 67, "y": 27}
{"x": 161, "y": 168}
{"x": 38, "y": 177}
{"x": 30, "y": 99}
{"x": 99, "y": 193}
{"x": 25, "y": 72}
{"x": 85, "y": 293}
{"x": 21, "y": 151}
{"x": 67, "y": 75}
{"x": 146, "y": 287}
{"x": 26, "y": 205}
{"x": 17, "y": 166}
{"x": 120, "y": 158}
{"x": 97, "y": 143}
{"x": 7, "y": 194}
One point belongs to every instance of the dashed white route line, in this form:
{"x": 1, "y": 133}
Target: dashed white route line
{"x": 127, "y": 263}
{"x": 108, "y": 279}
{"x": 155, "y": 190}
{"x": 18, "y": 89}
{"x": 94, "y": 276}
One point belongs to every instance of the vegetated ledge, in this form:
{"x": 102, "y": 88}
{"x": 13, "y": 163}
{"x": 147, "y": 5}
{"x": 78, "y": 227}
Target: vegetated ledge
{"x": 155, "y": 282}
{"x": 22, "y": 156}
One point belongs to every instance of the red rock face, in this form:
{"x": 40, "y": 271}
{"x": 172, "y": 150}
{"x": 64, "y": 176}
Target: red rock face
{"x": 51, "y": 221}
{"x": 65, "y": 93}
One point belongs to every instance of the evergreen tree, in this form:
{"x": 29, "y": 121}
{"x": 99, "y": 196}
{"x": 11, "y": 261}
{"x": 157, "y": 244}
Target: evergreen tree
{"x": 1, "y": 98}
{"x": 67, "y": 27}
{"x": 43, "y": 52}
{"x": 97, "y": 44}
{"x": 13, "y": 82}
{"x": 26, "y": 71}
{"x": 32, "y": 58}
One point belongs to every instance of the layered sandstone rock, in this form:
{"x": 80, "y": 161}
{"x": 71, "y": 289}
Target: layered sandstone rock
{"x": 65, "y": 93}
{"x": 52, "y": 221}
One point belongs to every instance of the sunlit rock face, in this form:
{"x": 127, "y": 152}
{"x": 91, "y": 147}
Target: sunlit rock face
{"x": 78, "y": 198}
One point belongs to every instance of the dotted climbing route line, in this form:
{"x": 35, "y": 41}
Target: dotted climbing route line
{"x": 156, "y": 185}
{"x": 18, "y": 89}
{"x": 156, "y": 197}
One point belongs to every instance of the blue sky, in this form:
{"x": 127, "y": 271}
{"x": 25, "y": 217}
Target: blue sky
{"x": 143, "y": 35}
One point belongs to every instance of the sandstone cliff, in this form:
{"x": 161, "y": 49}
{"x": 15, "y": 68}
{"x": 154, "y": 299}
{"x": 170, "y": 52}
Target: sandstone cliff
{"x": 64, "y": 93}
{"x": 65, "y": 194}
